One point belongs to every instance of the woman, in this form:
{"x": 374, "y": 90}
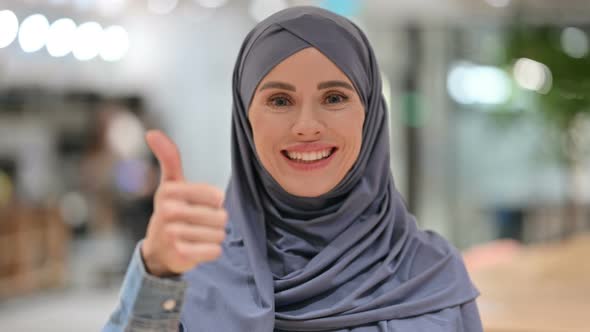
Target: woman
{"x": 318, "y": 238}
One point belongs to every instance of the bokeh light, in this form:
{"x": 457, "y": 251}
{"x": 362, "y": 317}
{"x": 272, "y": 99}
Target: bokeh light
{"x": 131, "y": 175}
{"x": 533, "y": 75}
{"x": 574, "y": 42}
{"x": 33, "y": 33}
{"x": 114, "y": 43}
{"x": 125, "y": 135}
{"x": 61, "y": 37}
{"x": 498, "y": 3}
{"x": 87, "y": 41}
{"x": 8, "y": 27}
{"x": 111, "y": 7}
{"x": 74, "y": 209}
{"x": 212, "y": 3}
{"x": 471, "y": 84}
{"x": 162, "y": 7}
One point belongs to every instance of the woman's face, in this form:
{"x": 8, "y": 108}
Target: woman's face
{"x": 307, "y": 121}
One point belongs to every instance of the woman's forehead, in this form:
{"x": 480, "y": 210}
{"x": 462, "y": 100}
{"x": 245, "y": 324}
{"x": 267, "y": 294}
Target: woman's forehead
{"x": 306, "y": 66}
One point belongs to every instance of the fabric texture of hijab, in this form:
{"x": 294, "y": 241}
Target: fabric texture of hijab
{"x": 351, "y": 259}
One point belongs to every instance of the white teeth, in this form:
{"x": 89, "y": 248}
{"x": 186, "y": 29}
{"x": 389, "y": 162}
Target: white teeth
{"x": 309, "y": 156}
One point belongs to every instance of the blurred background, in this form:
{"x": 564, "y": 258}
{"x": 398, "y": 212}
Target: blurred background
{"x": 490, "y": 135}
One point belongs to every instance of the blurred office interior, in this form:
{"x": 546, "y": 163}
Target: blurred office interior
{"x": 490, "y": 135}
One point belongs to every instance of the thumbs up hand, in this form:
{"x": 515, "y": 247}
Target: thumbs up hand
{"x": 188, "y": 223}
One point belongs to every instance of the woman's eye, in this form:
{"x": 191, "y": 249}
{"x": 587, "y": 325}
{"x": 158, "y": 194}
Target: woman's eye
{"x": 335, "y": 99}
{"x": 279, "y": 101}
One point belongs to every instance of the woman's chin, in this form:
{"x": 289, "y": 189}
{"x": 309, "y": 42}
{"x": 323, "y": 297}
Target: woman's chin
{"x": 307, "y": 191}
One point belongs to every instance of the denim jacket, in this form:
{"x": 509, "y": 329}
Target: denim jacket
{"x": 147, "y": 303}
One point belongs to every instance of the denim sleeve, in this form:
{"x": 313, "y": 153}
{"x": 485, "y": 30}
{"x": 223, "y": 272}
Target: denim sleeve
{"x": 147, "y": 303}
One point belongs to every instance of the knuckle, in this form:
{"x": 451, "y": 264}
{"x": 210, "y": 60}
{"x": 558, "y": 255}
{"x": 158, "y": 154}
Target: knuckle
{"x": 212, "y": 253}
{"x": 224, "y": 218}
{"x": 162, "y": 191}
{"x": 214, "y": 194}
{"x": 219, "y": 236}
{"x": 207, "y": 252}
{"x": 167, "y": 210}
{"x": 170, "y": 234}
{"x": 179, "y": 252}
{"x": 200, "y": 187}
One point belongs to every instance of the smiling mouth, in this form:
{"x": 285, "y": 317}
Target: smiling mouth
{"x": 309, "y": 157}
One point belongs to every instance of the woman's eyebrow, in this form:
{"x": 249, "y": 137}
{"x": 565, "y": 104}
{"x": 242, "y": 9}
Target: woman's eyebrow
{"x": 331, "y": 84}
{"x": 277, "y": 85}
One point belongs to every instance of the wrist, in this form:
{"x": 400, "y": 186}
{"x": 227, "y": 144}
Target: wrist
{"x": 152, "y": 266}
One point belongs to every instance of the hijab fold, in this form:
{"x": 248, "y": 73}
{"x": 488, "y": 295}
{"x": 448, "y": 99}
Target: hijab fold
{"x": 351, "y": 257}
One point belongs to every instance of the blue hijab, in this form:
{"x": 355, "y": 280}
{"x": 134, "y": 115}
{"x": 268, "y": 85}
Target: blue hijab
{"x": 351, "y": 259}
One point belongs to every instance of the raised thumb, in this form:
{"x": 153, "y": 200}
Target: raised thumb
{"x": 167, "y": 154}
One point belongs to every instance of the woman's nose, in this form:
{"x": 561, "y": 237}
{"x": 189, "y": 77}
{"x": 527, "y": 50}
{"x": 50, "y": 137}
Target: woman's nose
{"x": 307, "y": 125}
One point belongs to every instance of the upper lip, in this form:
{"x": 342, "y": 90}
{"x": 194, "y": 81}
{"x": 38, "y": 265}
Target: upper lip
{"x": 308, "y": 147}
